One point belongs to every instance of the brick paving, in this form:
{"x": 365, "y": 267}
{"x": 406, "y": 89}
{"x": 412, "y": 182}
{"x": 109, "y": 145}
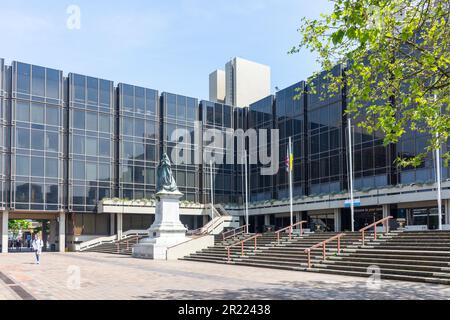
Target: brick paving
{"x": 110, "y": 277}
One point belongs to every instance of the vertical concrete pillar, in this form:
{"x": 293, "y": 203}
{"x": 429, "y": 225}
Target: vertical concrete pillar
{"x": 62, "y": 232}
{"x": 337, "y": 220}
{"x": 112, "y": 229}
{"x": 53, "y": 232}
{"x": 447, "y": 212}
{"x": 386, "y": 210}
{"x": 119, "y": 225}
{"x": 5, "y": 218}
{"x": 195, "y": 222}
{"x": 205, "y": 220}
{"x": 267, "y": 219}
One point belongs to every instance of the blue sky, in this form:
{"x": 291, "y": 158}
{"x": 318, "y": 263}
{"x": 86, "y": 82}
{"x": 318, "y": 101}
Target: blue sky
{"x": 169, "y": 45}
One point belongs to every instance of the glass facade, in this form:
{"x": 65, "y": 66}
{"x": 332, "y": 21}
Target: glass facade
{"x": 138, "y": 118}
{"x": 3, "y": 134}
{"x": 290, "y": 120}
{"x": 326, "y": 146}
{"x": 178, "y": 117}
{"x": 261, "y": 117}
{"x": 218, "y": 117}
{"x": 37, "y": 138}
{"x": 91, "y": 142}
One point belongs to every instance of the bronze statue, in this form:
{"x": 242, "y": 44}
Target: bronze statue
{"x": 165, "y": 180}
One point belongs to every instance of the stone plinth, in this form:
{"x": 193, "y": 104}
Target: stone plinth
{"x": 166, "y": 231}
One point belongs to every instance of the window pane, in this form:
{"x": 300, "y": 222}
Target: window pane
{"x": 128, "y": 125}
{"x": 80, "y": 87}
{"x": 22, "y": 111}
{"x": 37, "y": 167}
{"x": 23, "y": 192}
{"x": 104, "y": 173}
{"x": 151, "y": 102}
{"x": 38, "y": 81}
{"x": 105, "y": 92}
{"x": 37, "y": 139}
{"x": 23, "y": 78}
{"x": 91, "y": 146}
{"x": 78, "y": 144}
{"x": 191, "y": 109}
{"x": 37, "y": 193}
{"x": 92, "y": 87}
{"x": 91, "y": 121}
{"x": 23, "y": 138}
{"x": 150, "y": 130}
{"x": 52, "y": 141}
{"x": 51, "y": 194}
{"x": 37, "y": 113}
{"x": 139, "y": 129}
{"x": 52, "y": 84}
{"x": 128, "y": 98}
{"x": 104, "y": 123}
{"x": 150, "y": 153}
{"x": 79, "y": 170}
{"x": 51, "y": 168}
{"x": 79, "y": 195}
{"x": 104, "y": 146}
{"x": 150, "y": 176}
{"x": 91, "y": 172}
{"x": 139, "y": 100}
{"x": 181, "y": 108}
{"x": 23, "y": 165}
{"x": 78, "y": 119}
{"x": 52, "y": 116}
{"x": 171, "y": 105}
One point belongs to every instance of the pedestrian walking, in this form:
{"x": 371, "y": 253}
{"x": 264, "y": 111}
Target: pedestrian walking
{"x": 37, "y": 245}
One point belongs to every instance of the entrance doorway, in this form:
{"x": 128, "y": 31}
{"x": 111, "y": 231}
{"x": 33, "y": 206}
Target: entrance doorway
{"x": 427, "y": 217}
{"x": 367, "y": 216}
{"x": 21, "y": 233}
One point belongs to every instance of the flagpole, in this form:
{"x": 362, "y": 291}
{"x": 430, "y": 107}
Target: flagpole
{"x": 212, "y": 190}
{"x": 246, "y": 192}
{"x": 350, "y": 157}
{"x": 438, "y": 180}
{"x": 290, "y": 182}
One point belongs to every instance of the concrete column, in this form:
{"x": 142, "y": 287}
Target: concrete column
{"x": 53, "y": 232}
{"x": 447, "y": 211}
{"x": 62, "y": 232}
{"x": 5, "y": 218}
{"x": 205, "y": 220}
{"x": 337, "y": 220}
{"x": 119, "y": 225}
{"x": 195, "y": 223}
{"x": 386, "y": 210}
{"x": 112, "y": 229}
{"x": 267, "y": 219}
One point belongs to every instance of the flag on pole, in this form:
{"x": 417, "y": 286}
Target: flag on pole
{"x": 289, "y": 160}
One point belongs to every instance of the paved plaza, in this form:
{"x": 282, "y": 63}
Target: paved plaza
{"x": 93, "y": 276}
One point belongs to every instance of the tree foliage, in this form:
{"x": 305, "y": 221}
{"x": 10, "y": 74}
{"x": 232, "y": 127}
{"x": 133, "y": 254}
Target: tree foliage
{"x": 17, "y": 225}
{"x": 397, "y": 56}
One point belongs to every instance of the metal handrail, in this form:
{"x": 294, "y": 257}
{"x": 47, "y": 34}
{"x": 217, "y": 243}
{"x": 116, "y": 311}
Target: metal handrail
{"x": 234, "y": 232}
{"x": 255, "y": 237}
{"x": 374, "y": 225}
{"x": 301, "y": 223}
{"x": 127, "y": 242}
{"x": 323, "y": 244}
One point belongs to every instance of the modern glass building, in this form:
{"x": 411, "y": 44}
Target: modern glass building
{"x": 178, "y": 117}
{"x": 67, "y": 143}
{"x": 36, "y": 139}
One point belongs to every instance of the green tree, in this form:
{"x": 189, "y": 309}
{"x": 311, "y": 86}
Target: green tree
{"x": 397, "y": 56}
{"x": 16, "y": 225}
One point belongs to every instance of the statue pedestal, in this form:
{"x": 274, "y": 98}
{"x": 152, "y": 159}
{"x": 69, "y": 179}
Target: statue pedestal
{"x": 166, "y": 231}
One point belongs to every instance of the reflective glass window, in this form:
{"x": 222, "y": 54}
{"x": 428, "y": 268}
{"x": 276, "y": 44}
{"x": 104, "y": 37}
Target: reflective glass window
{"x": 128, "y": 150}
{"x": 91, "y": 121}
{"x": 104, "y": 147}
{"x": 151, "y": 102}
{"x": 139, "y": 101}
{"x": 128, "y": 98}
{"x": 80, "y": 87}
{"x": 92, "y": 90}
{"x": 51, "y": 194}
{"x": 37, "y": 193}
{"x": 104, "y": 172}
{"x": 53, "y": 84}
{"x": 37, "y": 113}
{"x": 37, "y": 167}
{"x": 52, "y": 116}
{"x": 105, "y": 92}
{"x": 139, "y": 128}
{"x": 79, "y": 195}
{"x": 78, "y": 119}
{"x": 91, "y": 146}
{"x": 23, "y": 78}
{"x": 128, "y": 125}
{"x": 22, "y": 192}
{"x": 37, "y": 139}
{"x": 79, "y": 170}
{"x": 150, "y": 176}
{"x": 91, "y": 171}
{"x": 150, "y": 129}
{"x": 23, "y": 111}
{"x": 150, "y": 153}
{"x": 104, "y": 123}
{"x": 23, "y": 138}
{"x": 38, "y": 81}
{"x": 171, "y": 105}
{"x": 52, "y": 141}
{"x": 181, "y": 108}
{"x": 78, "y": 144}
{"x": 51, "y": 168}
{"x": 23, "y": 165}
{"x": 191, "y": 109}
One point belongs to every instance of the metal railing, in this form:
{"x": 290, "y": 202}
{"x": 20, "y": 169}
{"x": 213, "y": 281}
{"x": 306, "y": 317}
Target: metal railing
{"x": 290, "y": 228}
{"x": 235, "y": 232}
{"x": 323, "y": 244}
{"x": 255, "y": 238}
{"x": 127, "y": 243}
{"x": 384, "y": 221}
